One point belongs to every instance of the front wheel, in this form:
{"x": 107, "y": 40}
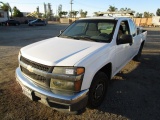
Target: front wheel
{"x": 98, "y": 90}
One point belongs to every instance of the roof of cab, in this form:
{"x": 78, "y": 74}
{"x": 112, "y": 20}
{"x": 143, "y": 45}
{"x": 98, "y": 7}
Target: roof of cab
{"x": 104, "y": 18}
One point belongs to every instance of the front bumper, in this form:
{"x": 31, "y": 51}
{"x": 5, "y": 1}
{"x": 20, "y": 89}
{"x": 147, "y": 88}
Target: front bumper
{"x": 65, "y": 103}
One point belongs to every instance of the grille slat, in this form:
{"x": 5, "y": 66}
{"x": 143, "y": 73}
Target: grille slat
{"x": 33, "y": 75}
{"x": 35, "y": 65}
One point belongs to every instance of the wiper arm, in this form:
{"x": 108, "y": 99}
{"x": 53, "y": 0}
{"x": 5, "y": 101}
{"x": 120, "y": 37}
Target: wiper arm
{"x": 78, "y": 37}
{"x": 73, "y": 37}
{"x": 85, "y": 38}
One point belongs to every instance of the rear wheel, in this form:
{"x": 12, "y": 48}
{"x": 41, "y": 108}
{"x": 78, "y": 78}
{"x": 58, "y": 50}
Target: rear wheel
{"x": 98, "y": 90}
{"x": 138, "y": 56}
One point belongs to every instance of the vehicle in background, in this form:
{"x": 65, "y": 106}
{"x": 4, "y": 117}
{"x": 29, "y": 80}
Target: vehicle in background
{"x": 3, "y": 16}
{"x": 11, "y": 22}
{"x": 27, "y": 21}
{"x": 156, "y": 21}
{"x": 37, "y": 22}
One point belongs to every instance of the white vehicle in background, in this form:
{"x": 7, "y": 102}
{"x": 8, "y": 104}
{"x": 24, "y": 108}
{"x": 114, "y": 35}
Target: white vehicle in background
{"x": 156, "y": 21}
{"x": 68, "y": 71}
{"x": 3, "y": 16}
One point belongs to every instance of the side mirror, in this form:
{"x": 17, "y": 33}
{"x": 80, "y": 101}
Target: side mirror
{"x": 138, "y": 31}
{"x": 61, "y": 31}
{"x": 144, "y": 31}
{"x": 125, "y": 39}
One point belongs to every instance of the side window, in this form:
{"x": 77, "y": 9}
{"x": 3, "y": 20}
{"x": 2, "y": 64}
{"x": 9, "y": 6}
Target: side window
{"x": 123, "y": 29}
{"x": 133, "y": 28}
{"x": 1, "y": 15}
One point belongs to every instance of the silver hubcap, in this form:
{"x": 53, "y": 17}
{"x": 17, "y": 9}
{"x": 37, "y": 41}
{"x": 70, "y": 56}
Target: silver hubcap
{"x": 99, "y": 91}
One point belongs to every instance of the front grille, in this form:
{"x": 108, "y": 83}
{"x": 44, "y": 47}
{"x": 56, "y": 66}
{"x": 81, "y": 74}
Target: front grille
{"x": 35, "y": 77}
{"x": 35, "y": 65}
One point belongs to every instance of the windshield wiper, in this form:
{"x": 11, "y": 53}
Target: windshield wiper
{"x": 78, "y": 37}
{"x": 87, "y": 38}
{"x": 73, "y": 37}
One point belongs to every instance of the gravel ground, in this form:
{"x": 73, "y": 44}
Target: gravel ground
{"x": 134, "y": 93}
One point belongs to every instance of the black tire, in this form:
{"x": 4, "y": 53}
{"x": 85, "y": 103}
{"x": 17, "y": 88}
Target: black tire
{"x": 3, "y": 24}
{"x": 98, "y": 90}
{"x": 138, "y": 56}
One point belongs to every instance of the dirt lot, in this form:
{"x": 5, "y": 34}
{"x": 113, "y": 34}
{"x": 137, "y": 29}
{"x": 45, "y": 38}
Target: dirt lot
{"x": 133, "y": 94}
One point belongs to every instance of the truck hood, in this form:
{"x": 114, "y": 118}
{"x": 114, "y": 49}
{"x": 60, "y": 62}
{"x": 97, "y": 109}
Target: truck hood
{"x": 60, "y": 51}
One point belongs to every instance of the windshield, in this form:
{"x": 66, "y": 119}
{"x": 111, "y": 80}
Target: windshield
{"x": 91, "y": 30}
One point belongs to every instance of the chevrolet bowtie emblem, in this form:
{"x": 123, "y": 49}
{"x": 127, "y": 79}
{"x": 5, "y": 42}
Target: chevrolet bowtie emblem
{"x": 30, "y": 68}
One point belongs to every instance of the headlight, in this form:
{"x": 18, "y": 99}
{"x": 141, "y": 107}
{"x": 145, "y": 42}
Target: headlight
{"x": 74, "y": 84}
{"x": 69, "y": 70}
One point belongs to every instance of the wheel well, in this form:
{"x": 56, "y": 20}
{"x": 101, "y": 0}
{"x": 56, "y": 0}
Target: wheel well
{"x": 142, "y": 43}
{"x": 107, "y": 69}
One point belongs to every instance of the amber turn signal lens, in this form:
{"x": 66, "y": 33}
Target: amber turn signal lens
{"x": 77, "y": 85}
{"x": 79, "y": 71}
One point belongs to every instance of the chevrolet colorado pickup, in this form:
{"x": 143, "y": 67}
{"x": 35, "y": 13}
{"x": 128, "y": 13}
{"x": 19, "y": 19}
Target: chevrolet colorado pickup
{"x": 72, "y": 70}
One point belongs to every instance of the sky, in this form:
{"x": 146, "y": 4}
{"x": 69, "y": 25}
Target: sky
{"x": 87, "y": 5}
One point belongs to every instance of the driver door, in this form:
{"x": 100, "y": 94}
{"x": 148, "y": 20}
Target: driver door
{"x": 123, "y": 51}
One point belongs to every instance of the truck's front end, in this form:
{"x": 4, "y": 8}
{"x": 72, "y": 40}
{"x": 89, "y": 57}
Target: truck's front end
{"x": 57, "y": 87}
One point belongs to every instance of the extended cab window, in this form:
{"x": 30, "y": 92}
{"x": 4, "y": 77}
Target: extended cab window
{"x": 98, "y": 30}
{"x": 105, "y": 27}
{"x": 123, "y": 29}
{"x": 133, "y": 28}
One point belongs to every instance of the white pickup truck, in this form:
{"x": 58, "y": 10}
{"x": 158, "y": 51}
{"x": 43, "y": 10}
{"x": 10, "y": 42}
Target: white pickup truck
{"x": 68, "y": 71}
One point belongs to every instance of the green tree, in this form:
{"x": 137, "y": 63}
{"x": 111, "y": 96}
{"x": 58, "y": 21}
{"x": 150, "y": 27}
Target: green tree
{"x": 60, "y": 14}
{"x": 16, "y": 12}
{"x": 128, "y": 10}
{"x": 96, "y": 14}
{"x": 6, "y": 7}
{"x": 10, "y": 10}
{"x": 112, "y": 8}
{"x": 148, "y": 15}
{"x": 158, "y": 12}
{"x": 49, "y": 14}
{"x": 74, "y": 13}
{"x": 139, "y": 15}
{"x": 83, "y": 14}
{"x": 125, "y": 9}
{"x": 63, "y": 13}
{"x": 152, "y": 14}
